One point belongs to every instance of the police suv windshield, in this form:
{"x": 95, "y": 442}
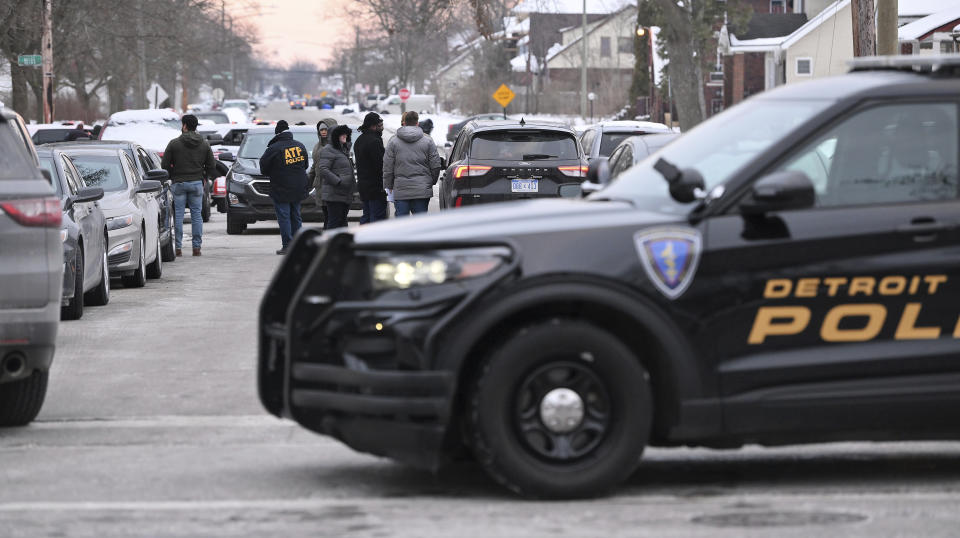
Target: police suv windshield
{"x": 254, "y": 144}
{"x": 716, "y": 148}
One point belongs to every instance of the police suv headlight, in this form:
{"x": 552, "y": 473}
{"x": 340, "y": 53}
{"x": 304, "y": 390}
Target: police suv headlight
{"x": 115, "y": 223}
{"x": 403, "y": 270}
{"x": 243, "y": 179}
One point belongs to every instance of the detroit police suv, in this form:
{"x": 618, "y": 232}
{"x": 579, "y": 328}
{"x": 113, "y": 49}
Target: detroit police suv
{"x": 785, "y": 272}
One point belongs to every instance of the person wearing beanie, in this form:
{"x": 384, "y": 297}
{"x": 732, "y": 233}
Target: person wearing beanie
{"x": 285, "y": 163}
{"x": 188, "y": 158}
{"x": 368, "y": 151}
{"x": 411, "y": 167}
{"x": 334, "y": 170}
{"x": 323, "y": 134}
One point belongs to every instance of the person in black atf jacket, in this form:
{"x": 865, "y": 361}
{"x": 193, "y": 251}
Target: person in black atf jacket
{"x": 368, "y": 151}
{"x": 285, "y": 163}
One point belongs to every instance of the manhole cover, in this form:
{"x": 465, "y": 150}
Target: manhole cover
{"x": 778, "y": 519}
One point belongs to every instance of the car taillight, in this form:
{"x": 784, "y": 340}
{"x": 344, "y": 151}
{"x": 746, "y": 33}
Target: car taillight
{"x": 159, "y": 154}
{"x": 34, "y": 211}
{"x": 574, "y": 171}
{"x": 470, "y": 170}
{"x": 220, "y": 186}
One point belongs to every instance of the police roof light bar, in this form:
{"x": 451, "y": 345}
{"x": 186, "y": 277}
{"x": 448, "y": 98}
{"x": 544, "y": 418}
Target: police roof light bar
{"x": 925, "y": 63}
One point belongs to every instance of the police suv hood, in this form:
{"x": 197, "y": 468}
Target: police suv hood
{"x": 510, "y": 219}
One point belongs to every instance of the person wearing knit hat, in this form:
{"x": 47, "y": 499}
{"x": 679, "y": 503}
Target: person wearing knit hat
{"x": 285, "y": 163}
{"x": 368, "y": 151}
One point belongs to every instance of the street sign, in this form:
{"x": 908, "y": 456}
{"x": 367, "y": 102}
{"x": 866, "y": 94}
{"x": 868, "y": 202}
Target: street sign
{"x": 404, "y": 94}
{"x": 503, "y": 95}
{"x": 218, "y": 94}
{"x": 29, "y": 60}
{"x": 156, "y": 95}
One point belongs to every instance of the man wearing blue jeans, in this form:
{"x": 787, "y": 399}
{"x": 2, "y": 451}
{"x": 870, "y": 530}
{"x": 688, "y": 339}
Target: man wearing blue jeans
{"x": 285, "y": 163}
{"x": 188, "y": 159}
{"x": 411, "y": 166}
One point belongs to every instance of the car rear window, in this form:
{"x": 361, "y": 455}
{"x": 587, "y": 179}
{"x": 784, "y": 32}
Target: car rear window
{"x": 15, "y": 162}
{"x": 523, "y": 145}
{"x": 45, "y": 136}
{"x": 100, "y": 171}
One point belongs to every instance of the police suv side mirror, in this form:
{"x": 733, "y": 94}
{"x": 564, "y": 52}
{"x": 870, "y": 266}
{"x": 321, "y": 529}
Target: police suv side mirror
{"x": 686, "y": 185}
{"x": 779, "y": 191}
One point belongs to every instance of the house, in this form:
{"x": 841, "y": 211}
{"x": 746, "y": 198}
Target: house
{"x": 938, "y": 33}
{"x": 610, "y": 58}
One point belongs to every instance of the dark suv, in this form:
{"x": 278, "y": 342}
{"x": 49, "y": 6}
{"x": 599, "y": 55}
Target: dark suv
{"x": 31, "y": 273}
{"x": 495, "y": 161}
{"x": 248, "y": 191}
{"x": 786, "y": 272}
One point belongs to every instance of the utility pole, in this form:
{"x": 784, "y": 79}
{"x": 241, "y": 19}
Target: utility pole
{"x": 887, "y": 41}
{"x": 864, "y": 28}
{"x": 142, "y": 57}
{"x": 583, "y": 65}
{"x": 46, "y": 49}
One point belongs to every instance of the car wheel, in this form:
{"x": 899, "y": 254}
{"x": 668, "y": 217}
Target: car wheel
{"x": 20, "y": 401}
{"x": 155, "y": 269}
{"x": 74, "y": 308}
{"x": 100, "y": 295}
{"x": 169, "y": 252}
{"x": 139, "y": 277}
{"x": 235, "y": 226}
{"x": 205, "y": 208}
{"x": 561, "y": 409}
{"x": 222, "y": 205}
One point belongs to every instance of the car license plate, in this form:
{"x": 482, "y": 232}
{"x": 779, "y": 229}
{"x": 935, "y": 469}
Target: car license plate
{"x": 524, "y": 185}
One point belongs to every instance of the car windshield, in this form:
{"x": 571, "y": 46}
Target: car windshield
{"x": 523, "y": 145}
{"x": 716, "y": 148}
{"x": 215, "y": 117}
{"x": 101, "y": 171}
{"x": 255, "y": 144}
{"x": 46, "y": 163}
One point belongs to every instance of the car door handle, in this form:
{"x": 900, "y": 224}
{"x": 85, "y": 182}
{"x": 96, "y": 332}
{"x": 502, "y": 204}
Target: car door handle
{"x": 924, "y": 228}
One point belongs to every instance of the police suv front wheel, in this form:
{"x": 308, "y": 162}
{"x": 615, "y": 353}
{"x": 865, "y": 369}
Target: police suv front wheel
{"x": 561, "y": 409}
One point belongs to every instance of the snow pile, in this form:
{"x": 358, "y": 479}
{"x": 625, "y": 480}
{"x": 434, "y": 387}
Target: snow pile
{"x": 149, "y": 135}
{"x": 146, "y": 115}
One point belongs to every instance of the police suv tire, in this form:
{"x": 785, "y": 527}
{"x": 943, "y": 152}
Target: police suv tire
{"x": 100, "y": 295}
{"x": 235, "y": 226}
{"x": 20, "y": 401}
{"x": 74, "y": 308}
{"x": 155, "y": 268}
{"x": 493, "y": 432}
{"x": 139, "y": 277}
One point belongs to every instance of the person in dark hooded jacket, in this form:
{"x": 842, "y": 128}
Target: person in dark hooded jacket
{"x": 285, "y": 163}
{"x": 369, "y": 154}
{"x": 335, "y": 171}
{"x": 188, "y": 159}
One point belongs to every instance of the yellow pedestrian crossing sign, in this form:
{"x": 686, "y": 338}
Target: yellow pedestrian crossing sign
{"x": 503, "y": 95}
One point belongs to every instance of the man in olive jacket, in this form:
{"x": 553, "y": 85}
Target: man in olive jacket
{"x": 411, "y": 166}
{"x": 285, "y": 163}
{"x": 188, "y": 159}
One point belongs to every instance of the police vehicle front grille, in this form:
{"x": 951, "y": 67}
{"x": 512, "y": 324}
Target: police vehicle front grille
{"x": 261, "y": 187}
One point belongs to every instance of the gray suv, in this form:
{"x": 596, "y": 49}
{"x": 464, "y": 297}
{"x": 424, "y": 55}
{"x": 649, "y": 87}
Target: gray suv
{"x": 31, "y": 274}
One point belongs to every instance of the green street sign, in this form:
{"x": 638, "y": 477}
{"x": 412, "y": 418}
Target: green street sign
{"x": 216, "y": 76}
{"x": 29, "y": 60}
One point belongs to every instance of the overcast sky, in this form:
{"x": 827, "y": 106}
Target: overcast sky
{"x": 294, "y": 29}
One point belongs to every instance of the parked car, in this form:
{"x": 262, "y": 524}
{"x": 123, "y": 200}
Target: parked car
{"x": 45, "y": 133}
{"x": 454, "y": 128}
{"x": 148, "y": 167}
{"x": 216, "y": 116}
{"x": 297, "y": 104}
{"x": 420, "y": 103}
{"x": 248, "y": 191}
{"x": 224, "y": 138}
{"x": 508, "y": 160}
{"x": 86, "y": 274}
{"x": 601, "y": 139}
{"x": 131, "y": 210}
{"x": 635, "y": 149}
{"x": 31, "y": 271}
{"x": 238, "y": 104}
{"x": 155, "y": 116}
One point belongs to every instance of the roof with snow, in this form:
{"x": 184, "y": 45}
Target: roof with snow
{"x": 919, "y": 29}
{"x": 782, "y": 42}
{"x": 594, "y": 7}
{"x": 922, "y": 8}
{"x": 763, "y": 25}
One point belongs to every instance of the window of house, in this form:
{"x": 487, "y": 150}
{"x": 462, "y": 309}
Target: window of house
{"x": 605, "y": 47}
{"x": 804, "y": 66}
{"x": 926, "y": 45}
{"x": 778, "y": 6}
{"x": 625, "y": 45}
{"x": 946, "y": 47}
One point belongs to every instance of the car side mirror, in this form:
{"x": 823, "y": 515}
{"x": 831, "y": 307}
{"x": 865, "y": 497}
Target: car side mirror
{"x": 599, "y": 172}
{"x": 686, "y": 185}
{"x": 149, "y": 186}
{"x": 86, "y": 194}
{"x": 214, "y": 139}
{"x": 157, "y": 175}
{"x": 227, "y": 156}
{"x": 570, "y": 190}
{"x": 779, "y": 191}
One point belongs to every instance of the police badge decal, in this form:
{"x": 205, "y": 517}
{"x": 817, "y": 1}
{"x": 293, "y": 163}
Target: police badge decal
{"x": 670, "y": 257}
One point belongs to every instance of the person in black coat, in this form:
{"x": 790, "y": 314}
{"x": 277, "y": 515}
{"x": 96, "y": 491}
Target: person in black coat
{"x": 285, "y": 163}
{"x": 368, "y": 151}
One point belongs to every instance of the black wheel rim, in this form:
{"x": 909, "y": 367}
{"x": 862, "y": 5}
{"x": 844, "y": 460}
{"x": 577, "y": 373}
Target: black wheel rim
{"x": 581, "y": 440}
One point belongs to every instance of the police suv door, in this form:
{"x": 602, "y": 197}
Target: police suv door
{"x": 843, "y": 317}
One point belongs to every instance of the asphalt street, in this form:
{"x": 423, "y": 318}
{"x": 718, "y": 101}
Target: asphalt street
{"x": 152, "y": 427}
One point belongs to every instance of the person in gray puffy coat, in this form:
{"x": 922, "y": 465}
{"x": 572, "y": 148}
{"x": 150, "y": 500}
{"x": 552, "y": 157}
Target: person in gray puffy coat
{"x": 334, "y": 172}
{"x": 411, "y": 167}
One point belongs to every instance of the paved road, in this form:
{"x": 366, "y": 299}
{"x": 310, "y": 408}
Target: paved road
{"x": 152, "y": 428}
